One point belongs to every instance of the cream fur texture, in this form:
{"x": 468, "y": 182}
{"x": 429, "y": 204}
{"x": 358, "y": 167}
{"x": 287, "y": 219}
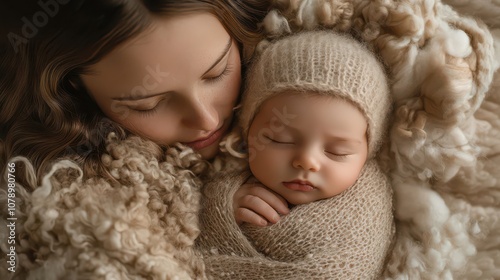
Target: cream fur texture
{"x": 444, "y": 145}
{"x": 486, "y": 10}
{"x": 142, "y": 226}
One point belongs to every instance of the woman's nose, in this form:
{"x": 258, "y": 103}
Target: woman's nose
{"x": 307, "y": 159}
{"x": 201, "y": 115}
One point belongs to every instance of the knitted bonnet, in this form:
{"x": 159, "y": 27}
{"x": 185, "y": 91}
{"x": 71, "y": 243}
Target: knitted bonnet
{"x": 325, "y": 63}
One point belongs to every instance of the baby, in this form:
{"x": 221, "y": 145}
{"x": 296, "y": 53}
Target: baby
{"x": 313, "y": 114}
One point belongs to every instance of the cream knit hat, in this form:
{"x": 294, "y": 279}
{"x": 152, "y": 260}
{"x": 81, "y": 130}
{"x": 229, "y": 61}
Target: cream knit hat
{"x": 322, "y": 62}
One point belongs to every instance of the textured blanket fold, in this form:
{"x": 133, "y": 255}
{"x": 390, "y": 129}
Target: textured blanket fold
{"x": 344, "y": 237}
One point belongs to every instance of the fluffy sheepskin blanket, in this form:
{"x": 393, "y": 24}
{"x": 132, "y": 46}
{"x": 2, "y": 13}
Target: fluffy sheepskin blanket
{"x": 142, "y": 226}
{"x": 444, "y": 150}
{"x": 344, "y": 237}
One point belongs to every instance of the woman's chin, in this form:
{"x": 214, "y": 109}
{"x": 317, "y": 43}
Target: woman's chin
{"x": 209, "y": 152}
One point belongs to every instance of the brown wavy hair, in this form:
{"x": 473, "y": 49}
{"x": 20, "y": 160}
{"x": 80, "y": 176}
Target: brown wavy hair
{"x": 45, "y": 111}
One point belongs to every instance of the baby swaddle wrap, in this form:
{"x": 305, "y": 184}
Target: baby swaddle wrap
{"x": 344, "y": 237}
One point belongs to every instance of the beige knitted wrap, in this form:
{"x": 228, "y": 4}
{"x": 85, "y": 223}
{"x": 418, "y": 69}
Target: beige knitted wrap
{"x": 344, "y": 237}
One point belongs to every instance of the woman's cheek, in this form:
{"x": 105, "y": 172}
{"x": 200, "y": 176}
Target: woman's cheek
{"x": 234, "y": 86}
{"x": 160, "y": 128}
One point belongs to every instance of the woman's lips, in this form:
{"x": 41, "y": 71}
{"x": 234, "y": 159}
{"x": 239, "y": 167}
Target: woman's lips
{"x": 299, "y": 185}
{"x": 207, "y": 141}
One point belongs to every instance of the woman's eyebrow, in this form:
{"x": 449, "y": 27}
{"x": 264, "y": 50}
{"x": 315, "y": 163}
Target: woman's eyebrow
{"x": 223, "y": 54}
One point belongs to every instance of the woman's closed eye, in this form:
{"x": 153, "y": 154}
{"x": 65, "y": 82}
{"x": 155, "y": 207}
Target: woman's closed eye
{"x": 151, "y": 109}
{"x": 147, "y": 112}
{"x": 220, "y": 76}
{"x": 278, "y": 141}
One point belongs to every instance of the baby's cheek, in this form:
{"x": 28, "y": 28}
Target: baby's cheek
{"x": 259, "y": 165}
{"x": 342, "y": 179}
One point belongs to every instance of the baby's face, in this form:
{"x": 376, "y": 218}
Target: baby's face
{"x": 307, "y": 147}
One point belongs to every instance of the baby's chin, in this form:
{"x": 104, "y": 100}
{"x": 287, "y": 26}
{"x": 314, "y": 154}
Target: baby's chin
{"x": 298, "y": 199}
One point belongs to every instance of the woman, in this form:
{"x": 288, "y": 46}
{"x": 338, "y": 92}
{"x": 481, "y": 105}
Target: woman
{"x": 124, "y": 60}
{"x": 71, "y": 72}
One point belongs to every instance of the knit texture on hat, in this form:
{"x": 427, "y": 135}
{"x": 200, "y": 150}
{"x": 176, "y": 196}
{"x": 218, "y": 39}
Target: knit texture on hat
{"x": 322, "y": 62}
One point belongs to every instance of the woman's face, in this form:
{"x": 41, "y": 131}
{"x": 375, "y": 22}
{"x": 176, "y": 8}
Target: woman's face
{"x": 177, "y": 82}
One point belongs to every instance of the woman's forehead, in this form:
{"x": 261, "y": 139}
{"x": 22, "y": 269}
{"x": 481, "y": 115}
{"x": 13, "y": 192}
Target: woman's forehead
{"x": 182, "y": 44}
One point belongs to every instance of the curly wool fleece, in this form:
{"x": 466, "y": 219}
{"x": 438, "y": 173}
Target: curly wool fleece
{"x": 142, "y": 226}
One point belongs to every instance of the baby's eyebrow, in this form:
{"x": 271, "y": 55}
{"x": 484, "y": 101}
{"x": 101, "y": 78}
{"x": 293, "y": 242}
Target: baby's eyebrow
{"x": 223, "y": 54}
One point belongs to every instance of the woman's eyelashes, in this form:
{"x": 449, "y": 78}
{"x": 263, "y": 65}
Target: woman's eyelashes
{"x": 221, "y": 76}
{"x": 277, "y": 141}
{"x": 147, "y": 112}
{"x": 152, "y": 110}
